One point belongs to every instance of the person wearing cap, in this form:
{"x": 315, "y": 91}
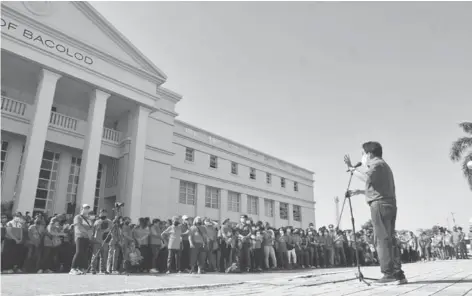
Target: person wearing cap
{"x": 100, "y": 242}
{"x": 83, "y": 231}
{"x": 185, "y": 256}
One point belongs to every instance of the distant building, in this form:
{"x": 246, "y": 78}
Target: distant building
{"x": 85, "y": 119}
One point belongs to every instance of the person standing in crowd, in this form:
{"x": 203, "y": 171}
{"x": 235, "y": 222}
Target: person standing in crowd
{"x": 198, "y": 245}
{"x": 83, "y": 230}
{"x": 462, "y": 244}
{"x": 244, "y": 243}
{"x": 52, "y": 242}
{"x": 212, "y": 244}
{"x": 115, "y": 246}
{"x": 380, "y": 195}
{"x": 34, "y": 243}
{"x": 185, "y": 257}
{"x": 155, "y": 243}
{"x": 425, "y": 246}
{"x": 340, "y": 256}
{"x": 456, "y": 238}
{"x": 100, "y": 242}
{"x": 268, "y": 242}
{"x": 329, "y": 248}
{"x": 225, "y": 235}
{"x": 291, "y": 253}
{"x": 141, "y": 235}
{"x": 173, "y": 233}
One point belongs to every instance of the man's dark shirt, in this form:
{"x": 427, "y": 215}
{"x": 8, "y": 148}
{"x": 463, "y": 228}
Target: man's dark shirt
{"x": 244, "y": 230}
{"x": 379, "y": 184}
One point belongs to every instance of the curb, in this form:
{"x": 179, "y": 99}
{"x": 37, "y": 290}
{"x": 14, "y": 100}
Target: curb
{"x": 168, "y": 289}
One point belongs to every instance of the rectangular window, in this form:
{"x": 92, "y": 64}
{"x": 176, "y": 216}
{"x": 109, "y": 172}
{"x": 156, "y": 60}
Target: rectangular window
{"x": 269, "y": 207}
{"x": 187, "y": 193}
{"x": 73, "y": 182}
{"x": 284, "y": 211}
{"x": 282, "y": 182}
{"x": 189, "y": 154}
{"x": 212, "y": 197}
{"x": 234, "y": 168}
{"x": 297, "y": 213}
{"x": 295, "y": 186}
{"x": 252, "y": 174}
{"x": 4, "y": 155}
{"x": 213, "y": 161}
{"x": 234, "y": 202}
{"x": 46, "y": 188}
{"x": 98, "y": 186}
{"x": 268, "y": 178}
{"x": 252, "y": 205}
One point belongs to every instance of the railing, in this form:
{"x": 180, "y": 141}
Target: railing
{"x": 111, "y": 135}
{"x": 63, "y": 121}
{"x": 13, "y": 106}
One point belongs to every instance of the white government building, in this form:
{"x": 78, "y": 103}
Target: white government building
{"x": 85, "y": 119}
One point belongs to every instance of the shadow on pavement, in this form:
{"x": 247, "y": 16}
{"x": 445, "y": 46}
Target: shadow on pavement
{"x": 458, "y": 282}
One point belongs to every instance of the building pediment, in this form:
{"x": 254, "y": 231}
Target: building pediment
{"x": 80, "y": 21}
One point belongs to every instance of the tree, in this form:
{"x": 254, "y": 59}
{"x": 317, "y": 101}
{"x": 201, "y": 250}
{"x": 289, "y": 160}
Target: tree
{"x": 462, "y": 150}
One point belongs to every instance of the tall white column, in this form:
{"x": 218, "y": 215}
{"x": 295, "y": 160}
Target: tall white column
{"x": 92, "y": 146}
{"x": 138, "y": 133}
{"x": 36, "y": 139}
{"x": 10, "y": 173}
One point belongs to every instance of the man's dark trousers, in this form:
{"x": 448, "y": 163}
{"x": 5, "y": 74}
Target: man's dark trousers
{"x": 384, "y": 215}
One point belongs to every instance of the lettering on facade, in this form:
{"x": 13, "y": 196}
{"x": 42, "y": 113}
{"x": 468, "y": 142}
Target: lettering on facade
{"x": 46, "y": 42}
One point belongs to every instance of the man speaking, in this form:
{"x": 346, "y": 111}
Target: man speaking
{"x": 380, "y": 196}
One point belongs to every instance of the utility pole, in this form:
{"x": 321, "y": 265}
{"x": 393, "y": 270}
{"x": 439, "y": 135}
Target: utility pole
{"x": 338, "y": 220}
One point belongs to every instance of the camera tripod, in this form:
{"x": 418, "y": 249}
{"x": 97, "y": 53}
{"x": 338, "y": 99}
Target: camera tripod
{"x": 347, "y": 196}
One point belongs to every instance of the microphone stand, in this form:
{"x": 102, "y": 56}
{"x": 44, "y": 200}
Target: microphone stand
{"x": 347, "y": 196}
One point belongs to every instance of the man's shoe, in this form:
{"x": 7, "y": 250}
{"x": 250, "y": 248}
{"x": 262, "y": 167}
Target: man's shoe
{"x": 401, "y": 278}
{"x": 387, "y": 280}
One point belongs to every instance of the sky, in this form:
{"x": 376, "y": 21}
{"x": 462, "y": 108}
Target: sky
{"x": 308, "y": 82}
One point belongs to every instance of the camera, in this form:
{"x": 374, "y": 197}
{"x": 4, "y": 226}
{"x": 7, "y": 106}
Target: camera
{"x": 119, "y": 204}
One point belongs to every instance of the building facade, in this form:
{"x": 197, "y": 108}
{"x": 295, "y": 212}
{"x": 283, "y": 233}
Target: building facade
{"x": 85, "y": 119}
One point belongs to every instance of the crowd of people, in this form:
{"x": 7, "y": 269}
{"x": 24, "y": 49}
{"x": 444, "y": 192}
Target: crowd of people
{"x": 96, "y": 244}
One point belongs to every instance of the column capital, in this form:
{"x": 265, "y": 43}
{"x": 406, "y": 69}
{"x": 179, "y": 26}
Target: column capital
{"x": 100, "y": 94}
{"x": 50, "y": 75}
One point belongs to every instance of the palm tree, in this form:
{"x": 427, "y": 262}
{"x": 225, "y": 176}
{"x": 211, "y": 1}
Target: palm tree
{"x": 462, "y": 149}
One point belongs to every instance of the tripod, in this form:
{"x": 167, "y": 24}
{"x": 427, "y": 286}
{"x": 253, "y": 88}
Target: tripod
{"x": 347, "y": 196}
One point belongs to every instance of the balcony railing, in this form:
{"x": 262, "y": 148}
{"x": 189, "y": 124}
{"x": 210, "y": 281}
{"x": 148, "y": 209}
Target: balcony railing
{"x": 111, "y": 135}
{"x": 63, "y": 121}
{"x": 13, "y": 106}
{"x": 58, "y": 120}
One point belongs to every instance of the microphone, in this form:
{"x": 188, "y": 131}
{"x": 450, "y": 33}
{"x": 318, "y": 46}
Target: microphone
{"x": 356, "y": 166}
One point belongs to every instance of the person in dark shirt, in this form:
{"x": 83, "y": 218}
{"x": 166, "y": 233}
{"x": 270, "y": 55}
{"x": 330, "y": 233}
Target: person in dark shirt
{"x": 244, "y": 229}
{"x": 380, "y": 196}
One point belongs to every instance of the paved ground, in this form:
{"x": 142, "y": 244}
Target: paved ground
{"x": 435, "y": 278}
